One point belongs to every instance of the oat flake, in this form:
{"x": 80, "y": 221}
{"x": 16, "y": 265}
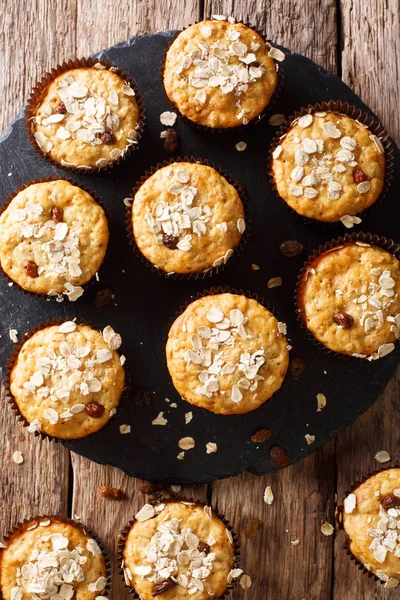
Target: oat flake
{"x": 382, "y": 456}
{"x": 268, "y": 495}
{"x": 327, "y": 529}
{"x": 18, "y": 457}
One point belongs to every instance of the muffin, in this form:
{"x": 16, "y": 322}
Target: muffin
{"x": 371, "y": 519}
{"x": 67, "y": 379}
{"x": 85, "y": 117}
{"x": 227, "y": 353}
{"x": 179, "y": 550}
{"x": 187, "y": 218}
{"x": 328, "y": 166}
{"x": 220, "y": 74}
{"x": 53, "y": 238}
{"x": 349, "y": 299}
{"x": 51, "y": 558}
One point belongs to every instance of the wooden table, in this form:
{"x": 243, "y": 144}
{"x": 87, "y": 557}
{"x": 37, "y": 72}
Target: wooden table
{"x": 360, "y": 41}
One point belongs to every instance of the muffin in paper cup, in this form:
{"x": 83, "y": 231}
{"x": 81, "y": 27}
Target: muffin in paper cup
{"x": 85, "y": 115}
{"x": 196, "y": 527}
{"x": 368, "y": 514}
{"x": 53, "y": 238}
{"x": 65, "y": 379}
{"x": 187, "y": 218}
{"x": 221, "y": 105}
{"x": 346, "y": 296}
{"x": 54, "y": 538}
{"x": 331, "y": 162}
{"x": 232, "y": 350}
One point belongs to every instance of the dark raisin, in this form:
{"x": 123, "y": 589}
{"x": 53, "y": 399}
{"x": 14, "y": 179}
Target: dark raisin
{"x": 171, "y": 141}
{"x": 279, "y": 456}
{"x": 31, "y": 268}
{"x": 159, "y": 497}
{"x": 390, "y": 501}
{"x": 260, "y": 436}
{"x": 148, "y": 488}
{"x": 94, "y": 410}
{"x": 344, "y": 320}
{"x": 107, "y": 138}
{"x": 297, "y": 366}
{"x": 252, "y": 527}
{"x": 359, "y": 176}
{"x": 162, "y": 587}
{"x": 291, "y": 248}
{"x": 103, "y": 297}
{"x": 170, "y": 241}
{"x": 110, "y": 492}
{"x": 57, "y": 214}
{"x": 203, "y": 547}
{"x": 61, "y": 109}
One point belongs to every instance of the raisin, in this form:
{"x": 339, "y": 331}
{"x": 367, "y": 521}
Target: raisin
{"x": 57, "y": 214}
{"x": 61, "y": 109}
{"x": 203, "y": 547}
{"x": 103, "y": 297}
{"x": 31, "y": 268}
{"x": 297, "y": 366}
{"x": 260, "y": 436}
{"x": 279, "y": 456}
{"x": 107, "y": 138}
{"x": 252, "y": 527}
{"x": 291, "y": 248}
{"x": 359, "y": 176}
{"x": 390, "y": 501}
{"x": 162, "y": 587}
{"x": 148, "y": 488}
{"x": 171, "y": 141}
{"x": 94, "y": 410}
{"x": 110, "y": 492}
{"x": 344, "y": 320}
{"x": 170, "y": 241}
{"x": 159, "y": 497}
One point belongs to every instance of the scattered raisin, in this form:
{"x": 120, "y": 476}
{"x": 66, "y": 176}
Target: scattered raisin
{"x": 344, "y": 320}
{"x": 159, "y": 497}
{"x": 57, "y": 214}
{"x": 141, "y": 398}
{"x": 252, "y": 527}
{"x": 170, "y": 241}
{"x": 291, "y": 248}
{"x": 162, "y": 587}
{"x": 107, "y": 138}
{"x": 171, "y": 140}
{"x": 203, "y": 547}
{"x": 31, "y": 268}
{"x": 261, "y": 436}
{"x": 148, "y": 488}
{"x": 94, "y": 410}
{"x": 110, "y": 492}
{"x": 297, "y": 366}
{"x": 103, "y": 297}
{"x": 279, "y": 456}
{"x": 359, "y": 176}
{"x": 61, "y": 109}
{"x": 390, "y": 501}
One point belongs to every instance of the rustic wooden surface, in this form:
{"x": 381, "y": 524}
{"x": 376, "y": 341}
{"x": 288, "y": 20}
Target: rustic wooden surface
{"x": 358, "y": 40}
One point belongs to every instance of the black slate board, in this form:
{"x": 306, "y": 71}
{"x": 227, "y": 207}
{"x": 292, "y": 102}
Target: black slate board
{"x": 146, "y": 303}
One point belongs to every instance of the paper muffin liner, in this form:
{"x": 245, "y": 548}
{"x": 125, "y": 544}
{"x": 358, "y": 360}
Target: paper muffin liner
{"x": 82, "y": 528}
{"x": 364, "y": 119}
{"x": 236, "y": 128}
{"x": 339, "y": 524}
{"x": 122, "y": 537}
{"x": 13, "y": 402}
{"x": 366, "y": 238}
{"x": 38, "y": 91}
{"x": 211, "y": 270}
{"x": 95, "y": 197}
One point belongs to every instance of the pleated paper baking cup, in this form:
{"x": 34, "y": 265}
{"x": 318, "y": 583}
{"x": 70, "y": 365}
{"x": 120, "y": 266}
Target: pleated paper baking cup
{"x": 6, "y": 204}
{"x": 13, "y": 402}
{"x": 241, "y": 126}
{"x": 222, "y": 261}
{"x": 339, "y": 525}
{"x": 361, "y": 238}
{"x": 122, "y": 538}
{"x": 36, "y": 98}
{"x": 382, "y": 142}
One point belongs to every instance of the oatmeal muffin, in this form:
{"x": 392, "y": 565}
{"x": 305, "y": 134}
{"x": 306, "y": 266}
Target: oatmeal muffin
{"x": 349, "y": 299}
{"x": 328, "y": 166}
{"x": 371, "y": 520}
{"x": 179, "y": 550}
{"x": 53, "y": 238}
{"x": 67, "y": 379}
{"x": 220, "y": 74}
{"x": 85, "y": 117}
{"x": 227, "y": 353}
{"x": 187, "y": 218}
{"x": 50, "y": 558}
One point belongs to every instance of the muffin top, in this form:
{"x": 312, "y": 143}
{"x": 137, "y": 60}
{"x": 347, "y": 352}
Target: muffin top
{"x": 49, "y": 558}
{"x": 227, "y": 353}
{"x": 53, "y": 238}
{"x": 220, "y": 74}
{"x": 187, "y": 218}
{"x": 86, "y": 118}
{"x": 328, "y": 166}
{"x": 179, "y": 547}
{"x": 371, "y": 519}
{"x": 67, "y": 379}
{"x": 350, "y": 300}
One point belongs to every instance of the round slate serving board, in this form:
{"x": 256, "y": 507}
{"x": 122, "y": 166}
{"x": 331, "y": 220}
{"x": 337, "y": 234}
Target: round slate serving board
{"x": 146, "y": 303}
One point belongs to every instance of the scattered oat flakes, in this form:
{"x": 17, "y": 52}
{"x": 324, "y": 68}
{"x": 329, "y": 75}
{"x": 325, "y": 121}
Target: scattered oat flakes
{"x": 124, "y": 429}
{"x": 234, "y": 574}
{"x": 159, "y": 420}
{"x": 274, "y": 282}
{"x": 327, "y": 529}
{"x": 13, "y": 335}
{"x": 188, "y": 417}
{"x": 382, "y": 456}
{"x": 18, "y": 457}
{"x": 276, "y": 54}
{"x": 276, "y": 120}
{"x": 211, "y": 447}
{"x": 176, "y": 488}
{"x": 349, "y": 221}
{"x": 310, "y": 438}
{"x": 268, "y": 495}
{"x": 321, "y": 400}
{"x": 186, "y": 443}
{"x": 240, "y": 146}
{"x": 128, "y": 202}
{"x": 255, "y": 267}
{"x": 181, "y": 456}
{"x": 391, "y": 583}
{"x": 168, "y": 118}
{"x": 245, "y": 582}
{"x": 145, "y": 513}
{"x": 295, "y": 542}
{"x": 349, "y": 503}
